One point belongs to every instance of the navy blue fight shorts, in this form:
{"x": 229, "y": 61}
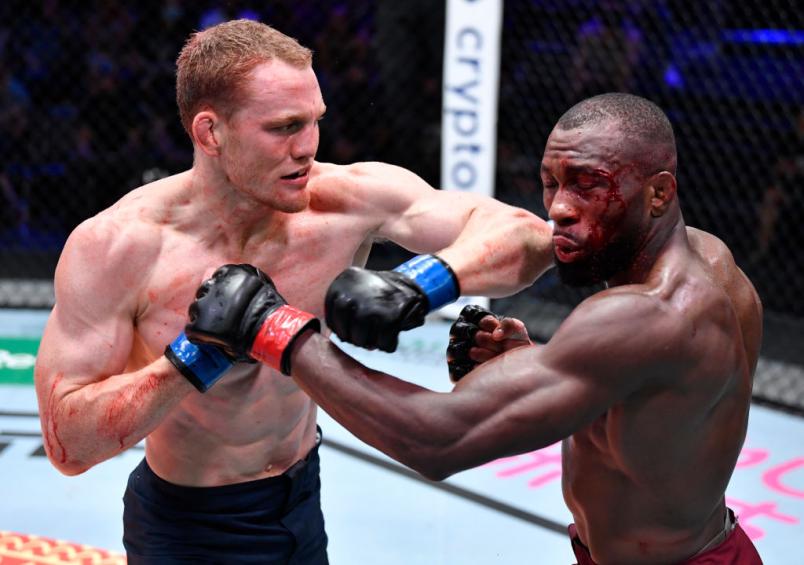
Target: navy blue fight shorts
{"x": 270, "y": 521}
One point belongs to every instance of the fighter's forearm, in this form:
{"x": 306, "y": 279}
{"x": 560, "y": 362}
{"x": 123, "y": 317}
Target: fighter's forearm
{"x": 500, "y": 251}
{"x": 406, "y": 422}
{"x": 95, "y": 422}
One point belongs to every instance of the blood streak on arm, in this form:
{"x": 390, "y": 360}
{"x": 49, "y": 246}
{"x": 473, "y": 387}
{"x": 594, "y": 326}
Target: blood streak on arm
{"x": 51, "y": 428}
{"x": 122, "y": 416}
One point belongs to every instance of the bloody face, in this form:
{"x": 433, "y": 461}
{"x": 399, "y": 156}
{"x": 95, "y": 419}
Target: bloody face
{"x": 593, "y": 193}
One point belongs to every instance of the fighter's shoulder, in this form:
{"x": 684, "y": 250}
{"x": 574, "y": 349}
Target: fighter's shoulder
{"x": 714, "y": 253}
{"x": 722, "y": 269}
{"x": 355, "y": 172}
{"x": 366, "y": 175}
{"x": 630, "y": 315}
{"x": 628, "y": 301}
{"x": 364, "y": 185}
{"x": 116, "y": 228}
{"x": 114, "y": 240}
{"x": 619, "y": 336}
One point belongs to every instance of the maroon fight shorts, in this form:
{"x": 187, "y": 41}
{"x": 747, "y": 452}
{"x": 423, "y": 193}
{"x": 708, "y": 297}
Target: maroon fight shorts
{"x": 736, "y": 549}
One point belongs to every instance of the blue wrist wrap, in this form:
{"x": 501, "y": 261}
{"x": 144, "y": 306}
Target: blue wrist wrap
{"x": 202, "y": 365}
{"x": 434, "y": 277}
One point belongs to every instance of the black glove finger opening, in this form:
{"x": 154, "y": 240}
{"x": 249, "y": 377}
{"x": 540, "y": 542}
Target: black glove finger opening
{"x": 458, "y": 370}
{"x": 474, "y": 313}
{"x": 193, "y": 312}
{"x": 459, "y": 351}
{"x": 223, "y": 270}
{"x": 462, "y": 330}
{"x": 261, "y": 275}
{"x": 203, "y": 290}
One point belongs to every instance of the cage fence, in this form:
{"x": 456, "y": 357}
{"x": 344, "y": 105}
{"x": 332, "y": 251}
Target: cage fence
{"x": 88, "y": 113}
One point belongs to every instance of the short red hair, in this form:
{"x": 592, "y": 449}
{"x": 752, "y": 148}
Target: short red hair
{"x": 214, "y": 64}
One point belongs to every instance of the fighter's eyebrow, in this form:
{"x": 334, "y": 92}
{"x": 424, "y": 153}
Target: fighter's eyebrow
{"x": 573, "y": 168}
{"x": 287, "y": 116}
{"x": 582, "y": 168}
{"x": 294, "y": 116}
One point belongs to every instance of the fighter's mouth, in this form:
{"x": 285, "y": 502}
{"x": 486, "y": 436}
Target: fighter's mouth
{"x": 564, "y": 242}
{"x": 298, "y": 174}
{"x": 566, "y": 249}
{"x": 567, "y": 255}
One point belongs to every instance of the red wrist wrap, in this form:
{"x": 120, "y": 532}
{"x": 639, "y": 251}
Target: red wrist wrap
{"x": 276, "y": 333}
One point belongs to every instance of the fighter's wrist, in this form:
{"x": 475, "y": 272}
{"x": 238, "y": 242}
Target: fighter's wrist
{"x": 200, "y": 364}
{"x": 276, "y": 336}
{"x": 435, "y": 277}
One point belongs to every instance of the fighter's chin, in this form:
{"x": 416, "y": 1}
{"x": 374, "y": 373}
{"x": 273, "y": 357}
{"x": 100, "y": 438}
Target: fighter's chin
{"x": 578, "y": 270}
{"x": 293, "y": 205}
{"x": 283, "y": 200}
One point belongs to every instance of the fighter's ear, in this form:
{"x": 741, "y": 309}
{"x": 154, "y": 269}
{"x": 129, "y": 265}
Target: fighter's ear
{"x": 206, "y": 132}
{"x": 662, "y": 192}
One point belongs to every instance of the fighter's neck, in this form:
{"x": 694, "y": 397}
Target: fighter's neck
{"x": 218, "y": 213}
{"x": 659, "y": 243}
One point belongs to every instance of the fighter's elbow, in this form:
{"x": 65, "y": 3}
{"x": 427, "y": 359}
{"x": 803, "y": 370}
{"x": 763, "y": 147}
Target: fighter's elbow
{"x": 65, "y": 464}
{"x": 433, "y": 464}
{"x": 435, "y": 473}
{"x": 73, "y": 470}
{"x": 67, "y": 467}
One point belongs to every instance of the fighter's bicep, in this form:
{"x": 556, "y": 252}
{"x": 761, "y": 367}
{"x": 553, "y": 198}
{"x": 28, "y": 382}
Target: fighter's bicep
{"x": 82, "y": 350}
{"x": 438, "y": 220}
{"x": 423, "y": 219}
{"x": 561, "y": 402}
{"x": 616, "y": 343}
{"x": 90, "y": 330}
{"x": 498, "y": 410}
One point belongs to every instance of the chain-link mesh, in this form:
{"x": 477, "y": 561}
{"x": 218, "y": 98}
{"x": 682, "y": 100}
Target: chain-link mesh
{"x": 87, "y": 113}
{"x": 87, "y": 105}
{"x": 730, "y": 75}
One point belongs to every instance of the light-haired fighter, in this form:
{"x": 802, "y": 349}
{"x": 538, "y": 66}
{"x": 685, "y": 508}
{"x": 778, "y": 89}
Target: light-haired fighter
{"x": 230, "y": 473}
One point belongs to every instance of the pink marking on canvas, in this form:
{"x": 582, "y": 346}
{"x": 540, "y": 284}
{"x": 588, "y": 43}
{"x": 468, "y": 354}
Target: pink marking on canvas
{"x": 773, "y": 477}
{"x": 746, "y": 511}
{"x": 749, "y": 457}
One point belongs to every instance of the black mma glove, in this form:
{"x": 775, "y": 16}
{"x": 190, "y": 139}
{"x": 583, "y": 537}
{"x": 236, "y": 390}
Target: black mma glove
{"x": 462, "y": 339}
{"x": 370, "y": 308}
{"x": 240, "y": 312}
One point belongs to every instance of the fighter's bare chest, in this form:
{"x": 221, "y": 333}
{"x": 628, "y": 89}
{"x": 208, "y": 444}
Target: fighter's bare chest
{"x": 302, "y": 271}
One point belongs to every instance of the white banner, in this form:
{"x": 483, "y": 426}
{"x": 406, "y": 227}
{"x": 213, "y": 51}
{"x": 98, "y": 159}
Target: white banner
{"x": 469, "y": 119}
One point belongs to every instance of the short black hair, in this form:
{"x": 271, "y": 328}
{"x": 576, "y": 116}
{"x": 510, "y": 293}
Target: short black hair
{"x": 641, "y": 121}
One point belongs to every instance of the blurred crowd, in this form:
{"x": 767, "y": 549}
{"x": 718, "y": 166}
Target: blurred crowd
{"x": 87, "y": 98}
{"x": 87, "y": 101}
